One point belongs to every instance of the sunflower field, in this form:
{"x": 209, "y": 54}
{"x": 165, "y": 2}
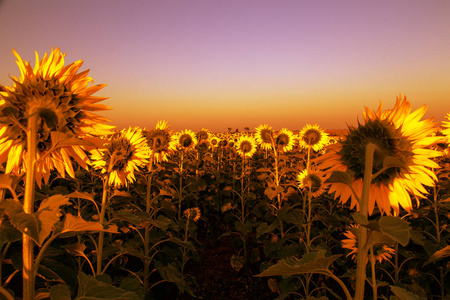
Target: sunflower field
{"x": 92, "y": 212}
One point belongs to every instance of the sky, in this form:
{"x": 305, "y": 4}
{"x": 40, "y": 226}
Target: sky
{"x": 241, "y": 63}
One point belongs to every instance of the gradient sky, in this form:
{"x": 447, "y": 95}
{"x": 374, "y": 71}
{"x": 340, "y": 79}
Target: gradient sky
{"x": 242, "y": 63}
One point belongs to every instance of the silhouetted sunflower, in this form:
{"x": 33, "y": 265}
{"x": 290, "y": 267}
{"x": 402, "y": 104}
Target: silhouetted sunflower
{"x": 284, "y": 140}
{"x": 158, "y": 141}
{"x": 246, "y": 146}
{"x": 265, "y": 136}
{"x": 59, "y": 102}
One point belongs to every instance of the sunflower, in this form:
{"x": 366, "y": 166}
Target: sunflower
{"x": 203, "y": 134}
{"x": 382, "y": 251}
{"x": 401, "y": 160}
{"x": 121, "y": 155}
{"x": 192, "y": 213}
{"x": 63, "y": 102}
{"x": 284, "y": 140}
{"x": 314, "y": 180}
{"x": 246, "y": 146}
{"x": 311, "y": 136}
{"x": 265, "y": 136}
{"x": 158, "y": 141}
{"x": 214, "y": 141}
{"x": 446, "y": 126}
{"x": 184, "y": 140}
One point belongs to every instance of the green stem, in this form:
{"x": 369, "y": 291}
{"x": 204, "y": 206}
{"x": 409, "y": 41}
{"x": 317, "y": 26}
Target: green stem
{"x": 147, "y": 224}
{"x": 102, "y": 222}
{"x": 28, "y": 207}
{"x": 374, "y": 281}
{"x": 308, "y": 224}
{"x": 181, "y": 185}
{"x": 361, "y": 258}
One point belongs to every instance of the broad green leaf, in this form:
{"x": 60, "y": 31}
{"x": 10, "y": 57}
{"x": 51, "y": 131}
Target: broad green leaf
{"x": 360, "y": 218}
{"x": 272, "y": 193}
{"x": 237, "y": 262}
{"x": 60, "y": 139}
{"x": 60, "y": 292}
{"x": 8, "y": 181}
{"x": 341, "y": 177}
{"x": 444, "y": 252}
{"x": 132, "y": 284}
{"x": 78, "y": 224}
{"x": 90, "y": 288}
{"x": 172, "y": 274}
{"x": 48, "y": 214}
{"x": 402, "y": 294}
{"x": 395, "y": 228}
{"x": 309, "y": 263}
{"x": 8, "y": 233}
{"x": 263, "y": 228}
{"x": 81, "y": 195}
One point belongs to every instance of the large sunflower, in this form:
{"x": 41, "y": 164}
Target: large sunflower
{"x": 158, "y": 141}
{"x": 265, "y": 136}
{"x": 184, "y": 140}
{"x": 246, "y": 146}
{"x": 446, "y": 128}
{"x": 401, "y": 160}
{"x": 311, "y": 136}
{"x": 63, "y": 102}
{"x": 284, "y": 140}
{"x": 121, "y": 155}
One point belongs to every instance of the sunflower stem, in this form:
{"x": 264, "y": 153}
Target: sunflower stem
{"x": 361, "y": 258}
{"x": 374, "y": 281}
{"x": 102, "y": 221}
{"x": 148, "y": 203}
{"x": 28, "y": 207}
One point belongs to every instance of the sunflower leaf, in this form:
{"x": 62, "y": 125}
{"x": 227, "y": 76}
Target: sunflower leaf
{"x": 395, "y": 228}
{"x": 341, "y": 177}
{"x": 74, "y": 224}
{"x": 91, "y": 288}
{"x": 444, "y": 252}
{"x": 360, "y": 219}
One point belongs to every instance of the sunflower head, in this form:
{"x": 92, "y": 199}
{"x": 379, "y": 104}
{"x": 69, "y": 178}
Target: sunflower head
{"x": 265, "y": 136}
{"x": 184, "y": 140}
{"x": 203, "y": 134}
{"x": 311, "y": 136}
{"x": 63, "y": 102}
{"x": 284, "y": 140}
{"x": 246, "y": 146}
{"x": 203, "y": 145}
{"x": 446, "y": 128}
{"x": 158, "y": 141}
{"x": 214, "y": 141}
{"x": 312, "y": 180}
{"x": 403, "y": 155}
{"x": 192, "y": 213}
{"x": 121, "y": 155}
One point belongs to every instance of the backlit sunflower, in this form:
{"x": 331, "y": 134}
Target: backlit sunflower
{"x": 311, "y": 136}
{"x": 401, "y": 160}
{"x": 121, "y": 155}
{"x": 246, "y": 146}
{"x": 203, "y": 134}
{"x": 284, "y": 140}
{"x": 314, "y": 180}
{"x": 381, "y": 251}
{"x": 158, "y": 141}
{"x": 192, "y": 213}
{"x": 184, "y": 140}
{"x": 63, "y": 102}
{"x": 265, "y": 136}
{"x": 446, "y": 128}
{"x": 214, "y": 141}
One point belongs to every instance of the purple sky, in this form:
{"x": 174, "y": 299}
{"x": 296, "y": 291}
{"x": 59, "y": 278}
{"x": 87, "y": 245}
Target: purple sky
{"x": 220, "y": 64}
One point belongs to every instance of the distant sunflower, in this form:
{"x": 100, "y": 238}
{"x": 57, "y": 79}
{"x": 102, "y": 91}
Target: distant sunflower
{"x": 265, "y": 136}
{"x": 311, "y": 136}
{"x": 158, "y": 141}
{"x": 382, "y": 251}
{"x": 121, "y": 155}
{"x": 203, "y": 145}
{"x": 314, "y": 180}
{"x": 63, "y": 102}
{"x": 401, "y": 160}
{"x": 214, "y": 141}
{"x": 184, "y": 140}
{"x": 192, "y": 213}
{"x": 284, "y": 140}
{"x": 203, "y": 134}
{"x": 246, "y": 146}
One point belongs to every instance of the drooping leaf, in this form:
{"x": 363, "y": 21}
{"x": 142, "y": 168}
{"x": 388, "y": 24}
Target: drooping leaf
{"x": 309, "y": 263}
{"x": 444, "y": 252}
{"x": 237, "y": 262}
{"x": 402, "y": 294}
{"x": 273, "y": 192}
{"x": 90, "y": 288}
{"x": 341, "y": 177}
{"x": 60, "y": 139}
{"x": 172, "y": 274}
{"x": 395, "y": 228}
{"x": 48, "y": 214}
{"x": 8, "y": 233}
{"x": 360, "y": 218}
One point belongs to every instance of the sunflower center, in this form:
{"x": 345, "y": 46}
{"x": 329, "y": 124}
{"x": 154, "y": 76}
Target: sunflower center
{"x": 123, "y": 152}
{"x": 266, "y": 135}
{"x": 246, "y": 147}
{"x": 392, "y": 157}
{"x": 313, "y": 182}
{"x": 185, "y": 140}
{"x": 312, "y": 137}
{"x": 282, "y": 140}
